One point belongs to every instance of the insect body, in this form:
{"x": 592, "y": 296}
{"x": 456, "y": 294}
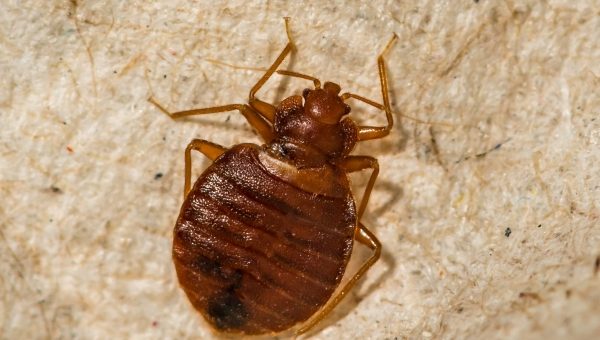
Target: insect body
{"x": 264, "y": 235}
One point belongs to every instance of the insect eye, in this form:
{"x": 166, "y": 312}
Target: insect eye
{"x": 305, "y": 93}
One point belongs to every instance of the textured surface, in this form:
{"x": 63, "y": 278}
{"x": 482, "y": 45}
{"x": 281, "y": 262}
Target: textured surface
{"x": 489, "y": 219}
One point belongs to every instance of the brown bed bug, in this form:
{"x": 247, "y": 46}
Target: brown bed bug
{"x": 264, "y": 236}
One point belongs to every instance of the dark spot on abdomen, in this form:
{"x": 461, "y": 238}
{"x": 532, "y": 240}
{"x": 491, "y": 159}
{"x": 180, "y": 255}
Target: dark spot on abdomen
{"x": 215, "y": 268}
{"x": 206, "y": 265}
{"x": 227, "y": 311}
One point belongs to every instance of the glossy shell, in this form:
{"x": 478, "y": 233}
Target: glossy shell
{"x": 257, "y": 249}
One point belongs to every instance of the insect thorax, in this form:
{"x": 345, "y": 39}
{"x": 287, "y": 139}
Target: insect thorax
{"x": 305, "y": 139}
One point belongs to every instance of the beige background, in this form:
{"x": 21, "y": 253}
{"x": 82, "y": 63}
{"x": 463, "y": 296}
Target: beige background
{"x": 85, "y": 221}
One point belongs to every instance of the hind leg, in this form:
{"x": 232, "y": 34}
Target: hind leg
{"x": 366, "y": 237}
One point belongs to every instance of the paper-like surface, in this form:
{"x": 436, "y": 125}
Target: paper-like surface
{"x": 489, "y": 217}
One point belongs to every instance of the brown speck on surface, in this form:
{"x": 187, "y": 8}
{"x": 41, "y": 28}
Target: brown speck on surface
{"x": 597, "y": 265}
{"x": 530, "y": 295}
{"x": 158, "y": 175}
{"x": 435, "y": 149}
{"x": 55, "y": 189}
{"x": 507, "y": 232}
{"x": 70, "y": 149}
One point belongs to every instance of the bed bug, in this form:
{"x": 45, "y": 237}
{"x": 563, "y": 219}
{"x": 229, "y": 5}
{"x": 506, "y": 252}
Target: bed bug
{"x": 264, "y": 236}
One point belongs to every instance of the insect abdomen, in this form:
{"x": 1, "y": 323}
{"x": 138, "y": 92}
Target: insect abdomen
{"x": 256, "y": 254}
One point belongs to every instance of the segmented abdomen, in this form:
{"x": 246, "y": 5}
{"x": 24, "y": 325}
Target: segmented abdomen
{"x": 256, "y": 254}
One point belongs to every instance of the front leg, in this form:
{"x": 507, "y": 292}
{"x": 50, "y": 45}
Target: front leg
{"x": 268, "y": 110}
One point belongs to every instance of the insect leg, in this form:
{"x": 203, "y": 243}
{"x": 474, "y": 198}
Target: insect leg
{"x": 315, "y": 81}
{"x": 366, "y": 237}
{"x": 357, "y": 163}
{"x": 374, "y": 132}
{"x": 254, "y": 118}
{"x": 267, "y": 110}
{"x": 209, "y": 149}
